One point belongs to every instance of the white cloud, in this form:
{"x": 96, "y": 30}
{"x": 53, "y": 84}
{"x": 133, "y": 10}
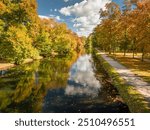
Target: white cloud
{"x": 66, "y": 0}
{"x": 86, "y": 13}
{"x": 51, "y": 16}
{"x": 55, "y": 10}
{"x": 65, "y": 11}
{"x": 58, "y": 18}
{"x": 43, "y": 17}
{"x": 82, "y": 80}
{"x": 77, "y": 25}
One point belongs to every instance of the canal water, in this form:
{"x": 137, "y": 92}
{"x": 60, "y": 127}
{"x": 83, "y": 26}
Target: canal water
{"x": 59, "y": 85}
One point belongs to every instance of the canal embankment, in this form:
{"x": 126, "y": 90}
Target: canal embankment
{"x": 4, "y": 66}
{"x": 133, "y": 90}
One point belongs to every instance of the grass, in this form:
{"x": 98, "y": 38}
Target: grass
{"x": 141, "y": 69}
{"x": 135, "y": 101}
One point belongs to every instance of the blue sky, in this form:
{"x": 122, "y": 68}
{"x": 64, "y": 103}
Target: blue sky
{"x": 81, "y": 16}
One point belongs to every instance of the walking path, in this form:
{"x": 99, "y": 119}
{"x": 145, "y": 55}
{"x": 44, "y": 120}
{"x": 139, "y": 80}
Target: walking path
{"x": 131, "y": 79}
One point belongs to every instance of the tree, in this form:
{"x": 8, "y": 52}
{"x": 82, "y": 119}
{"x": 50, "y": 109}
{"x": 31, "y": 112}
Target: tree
{"x": 143, "y": 24}
{"x": 24, "y": 35}
{"x": 126, "y": 31}
{"x": 106, "y": 31}
{"x": 43, "y": 44}
{"x": 16, "y": 45}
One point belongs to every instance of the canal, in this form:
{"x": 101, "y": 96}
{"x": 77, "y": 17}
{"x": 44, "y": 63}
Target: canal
{"x": 59, "y": 85}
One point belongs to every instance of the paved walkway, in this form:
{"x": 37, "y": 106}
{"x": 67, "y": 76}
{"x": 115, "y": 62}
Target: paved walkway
{"x": 131, "y": 79}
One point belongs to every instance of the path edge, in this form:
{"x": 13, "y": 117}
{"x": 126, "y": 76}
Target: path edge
{"x": 134, "y": 100}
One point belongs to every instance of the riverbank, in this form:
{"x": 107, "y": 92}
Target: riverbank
{"x": 134, "y": 91}
{"x": 4, "y": 66}
{"x": 65, "y": 85}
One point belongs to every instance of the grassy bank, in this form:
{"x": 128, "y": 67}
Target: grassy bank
{"x": 4, "y": 66}
{"x": 135, "y": 101}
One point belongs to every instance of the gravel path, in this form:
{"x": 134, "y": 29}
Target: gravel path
{"x": 131, "y": 79}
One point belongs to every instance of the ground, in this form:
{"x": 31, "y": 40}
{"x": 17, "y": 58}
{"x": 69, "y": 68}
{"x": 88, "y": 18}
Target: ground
{"x": 130, "y": 77}
{"x": 141, "y": 69}
{"x": 132, "y": 88}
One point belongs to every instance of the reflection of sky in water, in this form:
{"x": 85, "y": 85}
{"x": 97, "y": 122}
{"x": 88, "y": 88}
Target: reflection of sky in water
{"x": 82, "y": 80}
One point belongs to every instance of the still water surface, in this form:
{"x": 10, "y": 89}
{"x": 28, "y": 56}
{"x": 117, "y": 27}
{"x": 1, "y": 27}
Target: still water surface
{"x": 58, "y": 85}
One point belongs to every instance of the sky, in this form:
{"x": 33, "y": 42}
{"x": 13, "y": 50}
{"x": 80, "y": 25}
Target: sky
{"x": 81, "y": 16}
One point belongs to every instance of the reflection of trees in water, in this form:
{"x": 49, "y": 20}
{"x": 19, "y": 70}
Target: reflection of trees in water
{"x": 22, "y": 89}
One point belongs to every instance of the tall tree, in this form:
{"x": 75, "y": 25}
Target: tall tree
{"x": 110, "y": 22}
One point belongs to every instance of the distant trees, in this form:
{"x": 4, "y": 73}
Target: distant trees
{"x": 126, "y": 30}
{"x": 24, "y": 35}
{"x": 56, "y": 39}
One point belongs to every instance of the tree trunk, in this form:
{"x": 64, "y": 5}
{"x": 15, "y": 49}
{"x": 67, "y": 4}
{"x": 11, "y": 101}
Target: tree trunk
{"x": 133, "y": 53}
{"x": 124, "y": 52}
{"x": 113, "y": 50}
{"x": 143, "y": 54}
{"x": 134, "y": 48}
{"x": 110, "y": 49}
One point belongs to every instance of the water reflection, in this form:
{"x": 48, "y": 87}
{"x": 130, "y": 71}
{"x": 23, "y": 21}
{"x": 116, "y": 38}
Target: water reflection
{"x": 22, "y": 89}
{"x": 56, "y": 85}
{"x": 82, "y": 79}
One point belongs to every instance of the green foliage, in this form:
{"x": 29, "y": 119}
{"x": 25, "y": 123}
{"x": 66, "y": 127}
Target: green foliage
{"x": 62, "y": 45}
{"x": 1, "y": 27}
{"x": 43, "y": 44}
{"x": 27, "y": 85}
{"x": 24, "y": 35}
{"x": 16, "y": 45}
{"x": 88, "y": 44}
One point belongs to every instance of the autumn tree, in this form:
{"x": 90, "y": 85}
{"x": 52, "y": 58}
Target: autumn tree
{"x": 126, "y": 30}
{"x": 16, "y": 45}
{"x": 23, "y": 34}
{"x": 143, "y": 25}
{"x": 107, "y": 29}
